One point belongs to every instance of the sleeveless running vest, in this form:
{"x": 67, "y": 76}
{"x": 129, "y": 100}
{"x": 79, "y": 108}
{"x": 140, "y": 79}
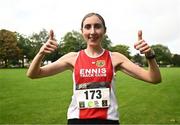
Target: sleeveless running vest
{"x": 93, "y": 88}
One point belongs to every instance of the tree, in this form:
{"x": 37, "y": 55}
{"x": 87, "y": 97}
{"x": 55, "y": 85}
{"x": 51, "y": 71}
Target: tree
{"x": 106, "y": 42}
{"x": 138, "y": 59}
{"x": 8, "y": 47}
{"x": 72, "y": 42}
{"x": 123, "y": 49}
{"x": 163, "y": 54}
{"x": 24, "y": 45}
{"x": 176, "y": 60}
{"x": 37, "y": 40}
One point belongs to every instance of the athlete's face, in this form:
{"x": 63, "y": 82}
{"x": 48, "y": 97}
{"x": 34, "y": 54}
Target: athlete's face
{"x": 93, "y": 30}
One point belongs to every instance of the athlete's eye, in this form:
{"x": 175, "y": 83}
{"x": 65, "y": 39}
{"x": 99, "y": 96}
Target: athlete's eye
{"x": 87, "y": 26}
{"x": 97, "y": 26}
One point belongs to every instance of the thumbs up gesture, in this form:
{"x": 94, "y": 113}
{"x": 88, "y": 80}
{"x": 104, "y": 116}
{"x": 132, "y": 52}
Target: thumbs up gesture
{"x": 50, "y": 46}
{"x": 142, "y": 45}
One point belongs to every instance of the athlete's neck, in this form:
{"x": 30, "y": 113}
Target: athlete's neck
{"x": 94, "y": 52}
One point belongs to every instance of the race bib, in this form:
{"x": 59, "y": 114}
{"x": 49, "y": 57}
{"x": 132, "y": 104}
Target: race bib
{"x": 93, "y": 98}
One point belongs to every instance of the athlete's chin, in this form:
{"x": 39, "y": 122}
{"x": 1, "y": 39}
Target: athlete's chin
{"x": 93, "y": 42}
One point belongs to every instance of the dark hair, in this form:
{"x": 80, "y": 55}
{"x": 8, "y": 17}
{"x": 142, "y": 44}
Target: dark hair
{"x": 92, "y": 14}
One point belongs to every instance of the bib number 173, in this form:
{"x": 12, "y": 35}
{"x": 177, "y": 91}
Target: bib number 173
{"x": 93, "y": 94}
{"x": 93, "y": 98}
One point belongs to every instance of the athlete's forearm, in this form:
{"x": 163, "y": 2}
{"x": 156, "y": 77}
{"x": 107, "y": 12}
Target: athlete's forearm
{"x": 34, "y": 69}
{"x": 154, "y": 71}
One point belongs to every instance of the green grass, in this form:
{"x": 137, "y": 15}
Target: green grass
{"x": 46, "y": 100}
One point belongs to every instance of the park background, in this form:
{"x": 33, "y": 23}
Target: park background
{"x": 24, "y": 27}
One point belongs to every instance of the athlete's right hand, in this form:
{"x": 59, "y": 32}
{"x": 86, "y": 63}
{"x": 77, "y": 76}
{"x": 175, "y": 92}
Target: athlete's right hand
{"x": 50, "y": 46}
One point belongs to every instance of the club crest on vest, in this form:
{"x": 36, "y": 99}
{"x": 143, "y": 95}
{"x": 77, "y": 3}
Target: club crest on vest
{"x": 100, "y": 63}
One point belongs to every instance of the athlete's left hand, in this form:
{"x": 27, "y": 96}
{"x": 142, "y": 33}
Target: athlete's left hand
{"x": 142, "y": 45}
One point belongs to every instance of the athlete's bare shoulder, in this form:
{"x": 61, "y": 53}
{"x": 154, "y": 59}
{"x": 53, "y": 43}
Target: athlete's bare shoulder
{"x": 118, "y": 59}
{"x": 117, "y": 56}
{"x": 69, "y": 59}
{"x": 70, "y": 55}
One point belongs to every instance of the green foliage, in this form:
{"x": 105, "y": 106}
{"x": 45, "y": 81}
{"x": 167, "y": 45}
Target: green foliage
{"x": 72, "y": 42}
{"x": 176, "y": 60}
{"x": 14, "y": 47}
{"x": 122, "y": 49}
{"x": 24, "y": 45}
{"x": 37, "y": 40}
{"x": 8, "y": 46}
{"x": 106, "y": 42}
{"x": 163, "y": 54}
{"x": 138, "y": 59}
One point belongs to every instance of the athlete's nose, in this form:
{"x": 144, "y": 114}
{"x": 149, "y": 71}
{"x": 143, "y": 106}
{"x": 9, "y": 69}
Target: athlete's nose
{"x": 92, "y": 30}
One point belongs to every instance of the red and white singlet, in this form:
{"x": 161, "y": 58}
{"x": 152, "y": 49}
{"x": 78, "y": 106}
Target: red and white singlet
{"x": 93, "y": 88}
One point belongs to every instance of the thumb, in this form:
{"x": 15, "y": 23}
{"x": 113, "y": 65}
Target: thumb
{"x": 51, "y": 35}
{"x": 139, "y": 35}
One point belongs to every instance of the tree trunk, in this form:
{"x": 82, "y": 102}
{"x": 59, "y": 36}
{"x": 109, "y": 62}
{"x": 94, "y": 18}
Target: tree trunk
{"x": 6, "y": 63}
{"x": 23, "y": 62}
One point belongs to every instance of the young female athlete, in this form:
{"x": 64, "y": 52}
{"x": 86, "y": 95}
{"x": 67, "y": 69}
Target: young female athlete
{"x": 94, "y": 68}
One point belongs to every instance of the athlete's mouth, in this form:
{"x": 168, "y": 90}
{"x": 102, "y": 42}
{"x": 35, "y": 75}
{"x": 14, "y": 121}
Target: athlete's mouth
{"x": 92, "y": 38}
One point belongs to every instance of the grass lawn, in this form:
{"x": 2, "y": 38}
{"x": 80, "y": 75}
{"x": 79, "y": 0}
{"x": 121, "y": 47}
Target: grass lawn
{"x": 45, "y": 101}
